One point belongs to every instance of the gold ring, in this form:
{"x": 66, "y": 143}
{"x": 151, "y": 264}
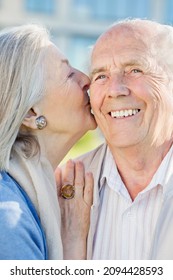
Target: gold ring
{"x": 67, "y": 191}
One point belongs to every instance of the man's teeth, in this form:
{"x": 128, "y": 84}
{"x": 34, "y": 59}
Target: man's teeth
{"x": 124, "y": 113}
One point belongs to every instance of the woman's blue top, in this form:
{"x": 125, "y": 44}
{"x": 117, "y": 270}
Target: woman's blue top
{"x": 21, "y": 234}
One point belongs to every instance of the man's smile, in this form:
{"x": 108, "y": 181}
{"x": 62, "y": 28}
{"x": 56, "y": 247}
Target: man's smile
{"x": 123, "y": 113}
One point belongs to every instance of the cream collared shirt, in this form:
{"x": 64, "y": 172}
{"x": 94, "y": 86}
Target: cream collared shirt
{"x": 125, "y": 228}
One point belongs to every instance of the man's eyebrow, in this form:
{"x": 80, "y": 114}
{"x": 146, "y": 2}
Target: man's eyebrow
{"x": 132, "y": 63}
{"x": 97, "y": 70}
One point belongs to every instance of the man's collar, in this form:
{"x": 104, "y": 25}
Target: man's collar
{"x": 111, "y": 175}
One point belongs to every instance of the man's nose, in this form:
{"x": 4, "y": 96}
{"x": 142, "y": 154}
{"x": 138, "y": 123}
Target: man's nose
{"x": 117, "y": 86}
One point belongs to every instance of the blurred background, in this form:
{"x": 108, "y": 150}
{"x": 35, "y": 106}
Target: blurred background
{"x": 76, "y": 24}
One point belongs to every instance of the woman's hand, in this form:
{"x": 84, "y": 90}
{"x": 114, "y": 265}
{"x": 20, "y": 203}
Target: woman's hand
{"x": 75, "y": 212}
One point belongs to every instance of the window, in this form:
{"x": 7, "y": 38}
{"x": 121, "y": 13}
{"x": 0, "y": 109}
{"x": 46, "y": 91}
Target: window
{"x": 169, "y": 14}
{"x": 40, "y": 6}
{"x": 112, "y": 9}
{"x": 133, "y": 9}
{"x": 78, "y": 52}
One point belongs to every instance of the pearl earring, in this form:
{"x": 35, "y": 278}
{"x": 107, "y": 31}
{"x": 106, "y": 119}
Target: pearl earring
{"x": 41, "y": 122}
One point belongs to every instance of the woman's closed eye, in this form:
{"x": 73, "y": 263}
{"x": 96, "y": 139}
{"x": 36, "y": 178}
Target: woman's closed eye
{"x": 70, "y": 75}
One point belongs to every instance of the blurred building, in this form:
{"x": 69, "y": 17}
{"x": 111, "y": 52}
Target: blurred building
{"x": 75, "y": 24}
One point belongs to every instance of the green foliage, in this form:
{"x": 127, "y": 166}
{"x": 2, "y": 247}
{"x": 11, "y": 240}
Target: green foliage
{"x": 88, "y": 142}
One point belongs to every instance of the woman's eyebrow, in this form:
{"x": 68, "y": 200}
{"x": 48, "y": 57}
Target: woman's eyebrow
{"x": 65, "y": 61}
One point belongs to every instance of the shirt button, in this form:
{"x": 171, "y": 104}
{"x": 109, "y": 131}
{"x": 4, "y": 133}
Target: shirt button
{"x": 130, "y": 215}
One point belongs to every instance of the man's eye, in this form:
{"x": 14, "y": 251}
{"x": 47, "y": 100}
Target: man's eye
{"x": 136, "y": 71}
{"x": 100, "y": 77}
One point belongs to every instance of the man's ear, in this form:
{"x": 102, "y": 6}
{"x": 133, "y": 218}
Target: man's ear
{"x": 29, "y": 120}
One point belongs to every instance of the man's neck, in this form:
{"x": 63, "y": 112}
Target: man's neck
{"x": 137, "y": 165}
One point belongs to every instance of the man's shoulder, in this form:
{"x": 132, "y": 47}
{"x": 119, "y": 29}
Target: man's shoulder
{"x": 94, "y": 157}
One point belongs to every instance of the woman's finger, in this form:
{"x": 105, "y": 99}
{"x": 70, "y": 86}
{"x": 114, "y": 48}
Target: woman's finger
{"x": 58, "y": 180}
{"x": 79, "y": 179}
{"x": 68, "y": 173}
{"x": 89, "y": 188}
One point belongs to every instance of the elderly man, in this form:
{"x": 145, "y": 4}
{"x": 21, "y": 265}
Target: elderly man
{"x": 132, "y": 99}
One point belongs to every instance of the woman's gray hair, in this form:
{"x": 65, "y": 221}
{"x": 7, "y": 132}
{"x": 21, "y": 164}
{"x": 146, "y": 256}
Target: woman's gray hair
{"x": 21, "y": 81}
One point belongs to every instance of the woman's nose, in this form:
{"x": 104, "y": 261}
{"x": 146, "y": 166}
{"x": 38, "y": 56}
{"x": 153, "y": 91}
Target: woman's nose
{"x": 84, "y": 80}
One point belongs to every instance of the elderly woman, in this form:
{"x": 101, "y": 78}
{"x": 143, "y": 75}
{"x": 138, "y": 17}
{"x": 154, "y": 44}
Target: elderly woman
{"x": 44, "y": 110}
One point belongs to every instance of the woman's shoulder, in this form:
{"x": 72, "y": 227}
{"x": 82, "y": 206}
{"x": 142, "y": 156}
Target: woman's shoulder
{"x": 12, "y": 194}
{"x": 21, "y": 233}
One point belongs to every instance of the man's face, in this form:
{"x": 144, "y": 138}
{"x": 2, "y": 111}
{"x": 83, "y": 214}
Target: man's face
{"x": 128, "y": 87}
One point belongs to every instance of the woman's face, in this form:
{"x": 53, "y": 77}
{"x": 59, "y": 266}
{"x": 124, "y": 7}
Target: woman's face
{"x": 66, "y": 104}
